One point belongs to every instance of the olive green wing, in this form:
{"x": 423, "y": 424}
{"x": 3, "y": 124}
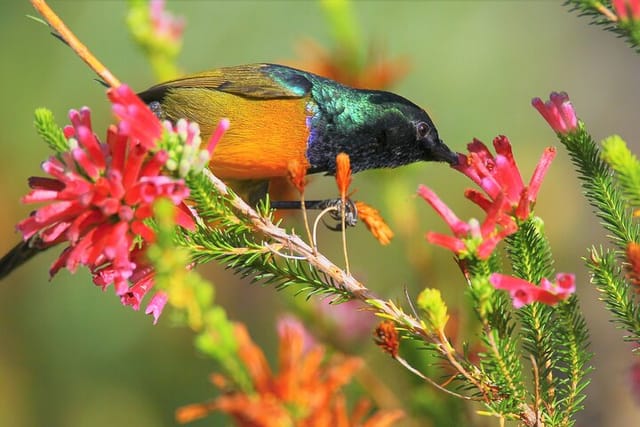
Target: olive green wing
{"x": 259, "y": 81}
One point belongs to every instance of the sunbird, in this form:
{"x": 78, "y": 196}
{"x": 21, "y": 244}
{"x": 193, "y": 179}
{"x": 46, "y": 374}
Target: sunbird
{"x": 279, "y": 115}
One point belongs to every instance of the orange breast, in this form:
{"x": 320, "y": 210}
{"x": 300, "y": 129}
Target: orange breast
{"x": 264, "y": 137}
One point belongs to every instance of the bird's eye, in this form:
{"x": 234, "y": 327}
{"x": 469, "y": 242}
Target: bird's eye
{"x": 422, "y": 129}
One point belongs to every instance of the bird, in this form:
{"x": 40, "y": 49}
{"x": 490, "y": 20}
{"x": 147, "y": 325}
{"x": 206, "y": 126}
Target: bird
{"x": 280, "y": 115}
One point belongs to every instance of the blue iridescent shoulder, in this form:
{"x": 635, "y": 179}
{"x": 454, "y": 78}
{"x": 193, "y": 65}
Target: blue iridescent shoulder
{"x": 297, "y": 81}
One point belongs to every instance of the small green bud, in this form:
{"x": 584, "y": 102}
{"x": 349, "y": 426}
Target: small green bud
{"x": 435, "y": 310}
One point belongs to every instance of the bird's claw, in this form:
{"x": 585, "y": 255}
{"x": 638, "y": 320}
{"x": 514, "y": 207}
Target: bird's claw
{"x": 350, "y": 213}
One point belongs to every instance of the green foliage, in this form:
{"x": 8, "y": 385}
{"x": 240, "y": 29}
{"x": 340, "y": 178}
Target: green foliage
{"x": 600, "y": 188}
{"x": 500, "y": 363}
{"x": 611, "y": 188}
{"x": 230, "y": 238}
{"x": 434, "y": 309}
{"x": 619, "y": 299}
{"x": 345, "y": 32}
{"x": 571, "y": 342}
{"x": 217, "y": 340}
{"x": 555, "y": 337}
{"x": 529, "y": 251}
{"x": 49, "y": 131}
{"x": 193, "y": 296}
{"x": 626, "y": 166}
{"x": 603, "y": 14}
{"x": 531, "y": 259}
{"x": 161, "y": 50}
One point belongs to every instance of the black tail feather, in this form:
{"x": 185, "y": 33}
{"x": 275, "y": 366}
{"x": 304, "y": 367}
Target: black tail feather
{"x": 20, "y": 254}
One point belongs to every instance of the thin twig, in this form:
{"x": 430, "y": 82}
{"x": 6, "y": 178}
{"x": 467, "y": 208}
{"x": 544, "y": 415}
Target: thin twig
{"x": 78, "y": 47}
{"x": 606, "y": 12}
{"x": 305, "y": 217}
{"x": 430, "y": 381}
{"x": 536, "y": 384}
{"x": 343, "y": 223}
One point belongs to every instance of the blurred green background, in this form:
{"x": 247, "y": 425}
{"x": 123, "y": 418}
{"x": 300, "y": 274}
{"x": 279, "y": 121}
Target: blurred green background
{"x": 73, "y": 356}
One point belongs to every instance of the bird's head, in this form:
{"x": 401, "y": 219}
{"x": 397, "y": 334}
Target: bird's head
{"x": 406, "y": 132}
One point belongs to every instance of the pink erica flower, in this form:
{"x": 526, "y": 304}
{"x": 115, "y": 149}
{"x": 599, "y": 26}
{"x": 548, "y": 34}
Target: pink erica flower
{"x": 523, "y": 292}
{"x": 626, "y": 8}
{"x": 558, "y": 112}
{"x": 136, "y": 119}
{"x": 499, "y": 176}
{"x": 99, "y": 196}
{"x": 473, "y": 236}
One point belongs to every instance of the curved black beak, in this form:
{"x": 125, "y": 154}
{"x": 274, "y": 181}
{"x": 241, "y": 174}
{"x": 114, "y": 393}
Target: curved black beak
{"x": 441, "y": 153}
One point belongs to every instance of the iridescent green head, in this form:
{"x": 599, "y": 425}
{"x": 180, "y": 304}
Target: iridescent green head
{"x": 377, "y": 129}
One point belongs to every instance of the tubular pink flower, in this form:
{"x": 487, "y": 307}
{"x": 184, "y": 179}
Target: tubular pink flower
{"x": 541, "y": 170}
{"x": 558, "y": 112}
{"x": 136, "y": 119}
{"x": 156, "y": 305}
{"x": 523, "y": 292}
{"x": 624, "y": 7}
{"x": 478, "y": 198}
{"x": 471, "y": 237}
{"x": 223, "y": 126}
{"x": 99, "y": 195}
{"x": 457, "y": 226}
{"x": 499, "y": 176}
{"x": 454, "y": 244}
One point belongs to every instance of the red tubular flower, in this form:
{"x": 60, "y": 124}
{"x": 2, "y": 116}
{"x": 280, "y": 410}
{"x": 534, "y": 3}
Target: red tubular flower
{"x": 558, "y": 112}
{"x": 156, "y": 305}
{"x": 136, "y": 119}
{"x": 471, "y": 237}
{"x": 523, "y": 292}
{"x": 500, "y": 175}
{"x": 99, "y": 196}
{"x": 223, "y": 126}
{"x": 625, "y": 7}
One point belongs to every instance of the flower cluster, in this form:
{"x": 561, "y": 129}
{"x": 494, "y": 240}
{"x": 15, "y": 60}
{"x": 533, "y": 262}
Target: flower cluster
{"x": 500, "y": 178}
{"x": 305, "y": 391}
{"x": 506, "y": 201}
{"x": 100, "y": 197}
